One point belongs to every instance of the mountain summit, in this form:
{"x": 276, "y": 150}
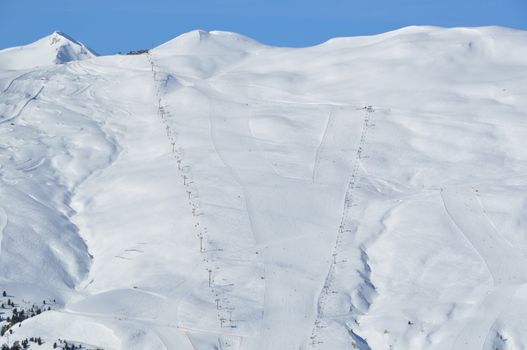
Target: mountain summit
{"x": 56, "y": 48}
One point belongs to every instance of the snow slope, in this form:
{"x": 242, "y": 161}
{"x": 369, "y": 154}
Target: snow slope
{"x": 217, "y": 193}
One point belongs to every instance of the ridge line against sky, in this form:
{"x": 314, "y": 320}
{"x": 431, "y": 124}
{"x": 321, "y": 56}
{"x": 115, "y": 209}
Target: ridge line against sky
{"x": 118, "y": 25}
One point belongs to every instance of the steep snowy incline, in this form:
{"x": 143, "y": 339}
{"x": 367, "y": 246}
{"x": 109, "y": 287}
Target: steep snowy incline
{"x": 50, "y": 143}
{"x": 216, "y": 193}
{"x": 506, "y": 264}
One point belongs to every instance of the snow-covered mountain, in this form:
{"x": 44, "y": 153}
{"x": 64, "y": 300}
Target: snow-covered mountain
{"x": 56, "y": 48}
{"x": 217, "y": 193}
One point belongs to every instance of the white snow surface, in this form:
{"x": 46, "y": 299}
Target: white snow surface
{"x": 217, "y": 193}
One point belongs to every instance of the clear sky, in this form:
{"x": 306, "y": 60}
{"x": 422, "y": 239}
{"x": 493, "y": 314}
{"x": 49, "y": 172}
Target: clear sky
{"x": 109, "y": 26}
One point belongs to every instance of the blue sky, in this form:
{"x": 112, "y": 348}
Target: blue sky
{"x": 109, "y": 26}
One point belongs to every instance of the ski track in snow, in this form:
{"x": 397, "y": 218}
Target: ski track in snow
{"x": 222, "y": 151}
{"x": 23, "y": 107}
{"x": 3, "y": 224}
{"x": 194, "y": 205}
{"x": 19, "y": 77}
{"x": 344, "y": 229}
{"x": 329, "y": 124}
{"x": 506, "y": 264}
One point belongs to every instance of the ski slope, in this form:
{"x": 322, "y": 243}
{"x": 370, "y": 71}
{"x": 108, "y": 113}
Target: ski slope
{"x": 218, "y": 193}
